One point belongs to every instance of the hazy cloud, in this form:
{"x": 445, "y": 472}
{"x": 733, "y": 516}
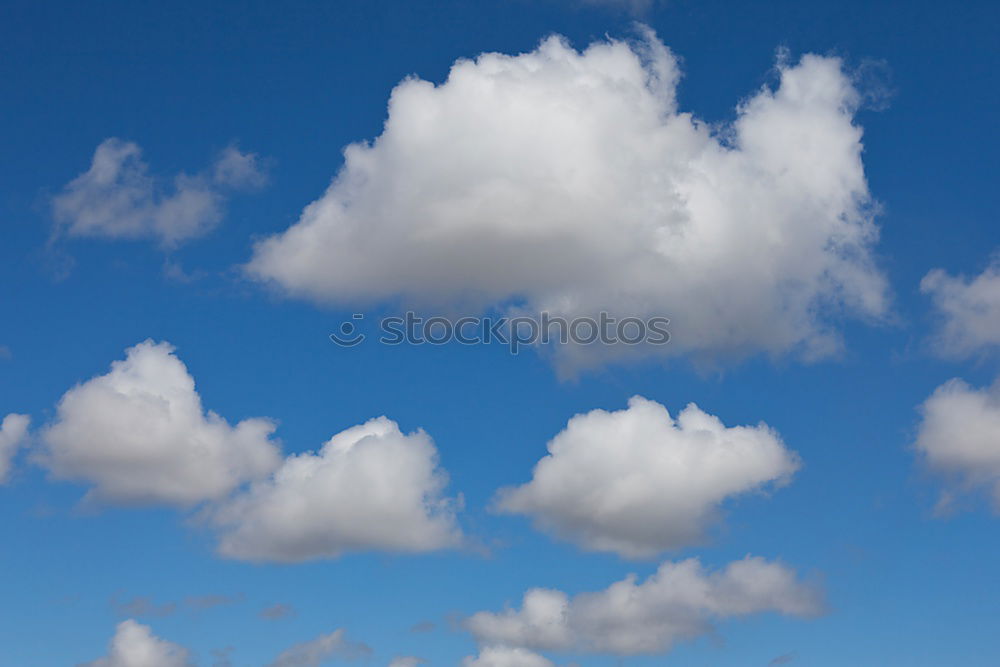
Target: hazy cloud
{"x": 317, "y": 651}
{"x": 117, "y": 198}
{"x": 679, "y": 602}
{"x": 277, "y": 611}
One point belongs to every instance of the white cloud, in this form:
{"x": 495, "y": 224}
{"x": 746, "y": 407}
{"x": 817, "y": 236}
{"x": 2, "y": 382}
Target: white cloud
{"x": 959, "y": 436}
{"x": 134, "y": 645}
{"x": 13, "y": 433}
{"x": 679, "y": 602}
{"x": 369, "y": 487}
{"x": 504, "y": 656}
{"x": 969, "y": 310}
{"x": 638, "y": 482}
{"x": 117, "y": 198}
{"x": 317, "y": 651}
{"x": 140, "y": 435}
{"x": 571, "y": 183}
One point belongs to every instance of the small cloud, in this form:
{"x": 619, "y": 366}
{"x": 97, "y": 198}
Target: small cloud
{"x": 423, "y": 627}
{"x": 407, "y": 661}
{"x": 175, "y": 273}
{"x": 239, "y": 170}
{"x": 135, "y": 644}
{"x": 200, "y": 603}
{"x": 322, "y": 649}
{"x": 220, "y": 656}
{"x": 277, "y": 611}
{"x": 783, "y": 659}
{"x": 142, "y": 605}
{"x": 117, "y": 198}
{"x": 5, "y": 353}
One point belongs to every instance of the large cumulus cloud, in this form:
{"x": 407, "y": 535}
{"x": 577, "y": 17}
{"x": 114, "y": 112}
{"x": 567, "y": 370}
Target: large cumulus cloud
{"x": 571, "y": 182}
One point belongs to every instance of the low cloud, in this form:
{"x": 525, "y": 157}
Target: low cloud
{"x": 318, "y": 651}
{"x": 638, "y": 482}
{"x": 505, "y": 656}
{"x": 959, "y": 439}
{"x": 135, "y": 645}
{"x": 13, "y": 435}
{"x": 570, "y": 182}
{"x": 679, "y": 602}
{"x": 968, "y": 310}
{"x": 140, "y": 436}
{"x": 277, "y": 611}
{"x": 407, "y": 661}
{"x": 369, "y": 487}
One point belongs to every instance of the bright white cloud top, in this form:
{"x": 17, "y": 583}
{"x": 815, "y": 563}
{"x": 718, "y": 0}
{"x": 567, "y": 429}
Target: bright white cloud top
{"x": 135, "y": 645}
{"x": 369, "y": 487}
{"x": 570, "y": 182}
{"x": 139, "y": 435}
{"x": 959, "y": 437}
{"x": 969, "y": 309}
{"x": 679, "y": 602}
{"x": 117, "y": 198}
{"x": 505, "y": 656}
{"x": 13, "y": 433}
{"x": 638, "y": 482}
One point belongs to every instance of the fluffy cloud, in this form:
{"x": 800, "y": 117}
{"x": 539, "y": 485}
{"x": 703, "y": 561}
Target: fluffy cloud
{"x": 13, "y": 433}
{"x": 117, "y": 198}
{"x": 504, "y": 656}
{"x": 369, "y": 487}
{"x": 134, "y": 645}
{"x": 969, "y": 310}
{"x": 317, "y": 651}
{"x": 959, "y": 436}
{"x": 570, "y": 182}
{"x": 678, "y": 602}
{"x": 638, "y": 482}
{"x": 139, "y": 435}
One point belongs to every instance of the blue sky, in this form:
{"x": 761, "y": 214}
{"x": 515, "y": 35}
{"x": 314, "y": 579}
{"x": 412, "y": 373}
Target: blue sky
{"x": 906, "y": 578}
